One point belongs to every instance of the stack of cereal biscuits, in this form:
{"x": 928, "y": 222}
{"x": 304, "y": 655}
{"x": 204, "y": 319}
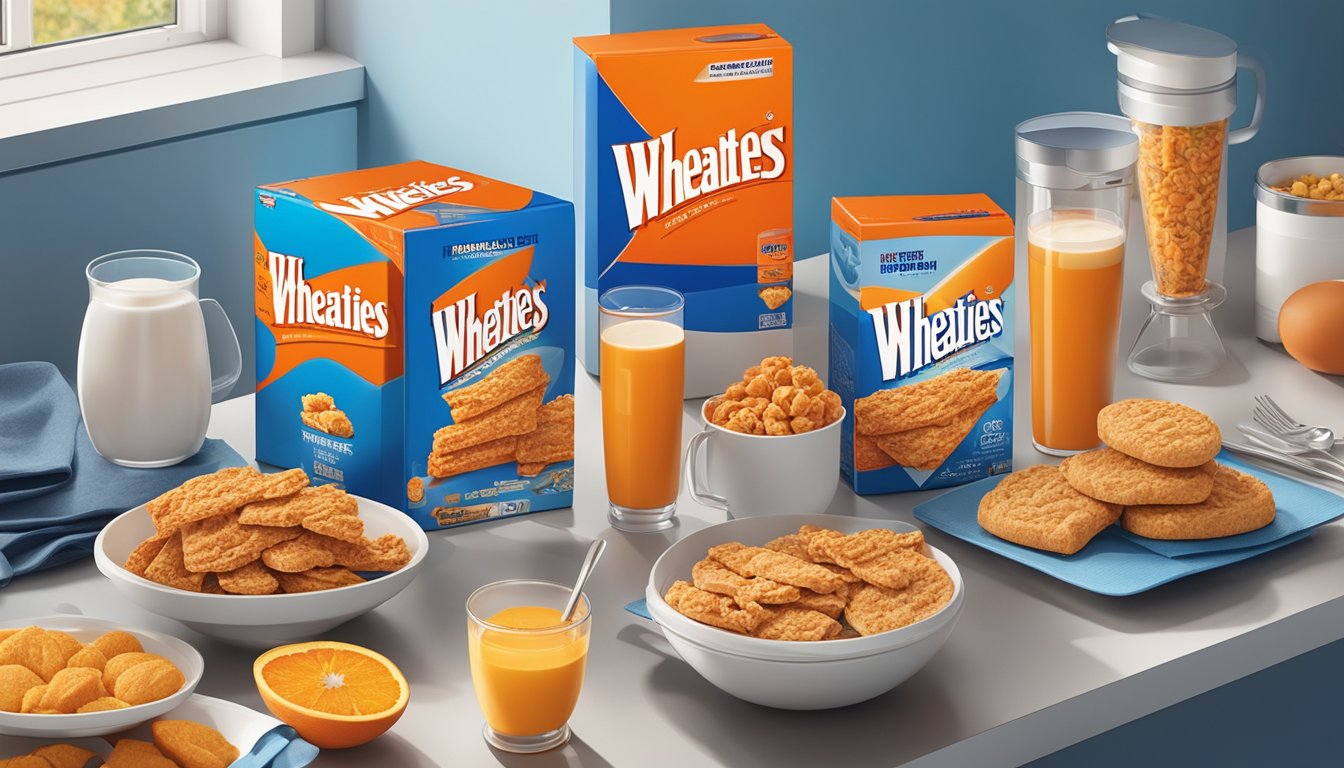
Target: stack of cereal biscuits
{"x": 816, "y": 584}
{"x": 921, "y": 424}
{"x": 502, "y": 419}
{"x": 1157, "y": 477}
{"x": 238, "y": 531}
{"x": 775, "y": 398}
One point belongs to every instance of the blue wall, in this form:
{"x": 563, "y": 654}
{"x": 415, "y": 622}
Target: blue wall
{"x": 481, "y": 86}
{"x": 193, "y": 196}
{"x": 921, "y": 96}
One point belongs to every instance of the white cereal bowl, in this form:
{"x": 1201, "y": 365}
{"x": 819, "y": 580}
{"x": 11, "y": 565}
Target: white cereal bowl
{"x": 796, "y": 675}
{"x": 77, "y": 726}
{"x": 259, "y": 621}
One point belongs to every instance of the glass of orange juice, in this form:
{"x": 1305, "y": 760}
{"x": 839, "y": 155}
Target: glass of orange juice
{"x": 1075, "y": 175}
{"x": 643, "y": 361}
{"x": 527, "y": 667}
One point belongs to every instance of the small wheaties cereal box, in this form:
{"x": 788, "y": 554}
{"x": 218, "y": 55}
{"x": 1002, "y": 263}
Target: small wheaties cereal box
{"x": 921, "y": 339}
{"x": 415, "y": 329}
{"x": 684, "y": 179}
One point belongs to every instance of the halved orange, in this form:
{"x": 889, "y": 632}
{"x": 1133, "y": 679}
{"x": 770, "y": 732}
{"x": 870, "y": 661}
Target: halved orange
{"x": 336, "y": 695}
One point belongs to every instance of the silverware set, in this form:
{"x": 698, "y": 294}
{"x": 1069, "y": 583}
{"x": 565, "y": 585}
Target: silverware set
{"x": 1278, "y": 437}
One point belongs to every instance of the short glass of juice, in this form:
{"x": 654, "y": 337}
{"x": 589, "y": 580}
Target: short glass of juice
{"x": 526, "y": 666}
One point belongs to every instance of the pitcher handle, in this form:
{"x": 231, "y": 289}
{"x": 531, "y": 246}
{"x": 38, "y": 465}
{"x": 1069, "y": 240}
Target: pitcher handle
{"x": 1252, "y": 65}
{"x": 225, "y": 354}
{"x": 695, "y": 484}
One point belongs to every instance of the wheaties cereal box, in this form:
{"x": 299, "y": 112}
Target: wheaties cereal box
{"x": 414, "y": 339}
{"x": 921, "y": 339}
{"x": 684, "y": 179}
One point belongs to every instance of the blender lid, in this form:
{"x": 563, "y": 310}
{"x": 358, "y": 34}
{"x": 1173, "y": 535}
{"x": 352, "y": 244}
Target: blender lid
{"x": 1171, "y": 54}
{"x": 1072, "y": 150}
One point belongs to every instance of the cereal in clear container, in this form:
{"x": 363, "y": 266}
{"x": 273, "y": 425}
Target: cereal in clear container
{"x": 1179, "y": 169}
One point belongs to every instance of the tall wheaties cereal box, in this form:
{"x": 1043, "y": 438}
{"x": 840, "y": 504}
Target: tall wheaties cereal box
{"x": 684, "y": 179}
{"x": 921, "y": 339}
{"x": 414, "y": 339}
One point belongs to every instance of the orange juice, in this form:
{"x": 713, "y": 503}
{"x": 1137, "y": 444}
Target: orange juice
{"x": 527, "y": 683}
{"x": 1076, "y": 266}
{"x": 642, "y": 365}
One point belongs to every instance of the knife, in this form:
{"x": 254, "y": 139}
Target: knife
{"x": 1282, "y": 458}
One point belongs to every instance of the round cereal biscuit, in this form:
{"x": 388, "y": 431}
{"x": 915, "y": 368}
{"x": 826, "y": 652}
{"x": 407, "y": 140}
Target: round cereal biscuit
{"x": 1037, "y": 508}
{"x": 117, "y": 642}
{"x": 116, "y": 665}
{"x": 149, "y": 681}
{"x": 1239, "y": 503}
{"x": 1159, "y": 432}
{"x": 15, "y": 681}
{"x": 1111, "y": 476}
{"x": 72, "y": 688}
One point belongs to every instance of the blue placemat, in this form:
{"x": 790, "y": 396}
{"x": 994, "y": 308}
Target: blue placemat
{"x": 1298, "y": 507}
{"x": 1110, "y": 564}
{"x": 640, "y": 608}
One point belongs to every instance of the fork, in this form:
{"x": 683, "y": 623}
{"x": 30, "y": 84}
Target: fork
{"x": 1277, "y": 422}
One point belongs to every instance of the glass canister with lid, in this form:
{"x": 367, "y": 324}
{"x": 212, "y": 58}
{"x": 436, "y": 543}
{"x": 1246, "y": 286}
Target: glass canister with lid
{"x": 1178, "y": 84}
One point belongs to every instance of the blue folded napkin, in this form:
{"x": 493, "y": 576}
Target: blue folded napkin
{"x": 279, "y": 747}
{"x": 1299, "y": 507}
{"x": 59, "y": 524}
{"x": 38, "y": 414}
{"x": 640, "y": 608}
{"x": 1110, "y": 564}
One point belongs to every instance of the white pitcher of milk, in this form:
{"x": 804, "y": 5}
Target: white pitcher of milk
{"x": 144, "y": 379}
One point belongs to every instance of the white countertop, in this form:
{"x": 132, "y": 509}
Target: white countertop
{"x": 1034, "y": 665}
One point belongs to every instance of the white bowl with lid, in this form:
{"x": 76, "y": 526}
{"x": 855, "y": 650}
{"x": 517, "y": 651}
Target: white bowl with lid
{"x": 796, "y": 675}
{"x": 1298, "y": 241}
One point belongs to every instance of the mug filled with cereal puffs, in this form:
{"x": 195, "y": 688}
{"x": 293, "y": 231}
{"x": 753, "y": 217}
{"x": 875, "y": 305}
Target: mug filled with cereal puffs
{"x": 771, "y": 443}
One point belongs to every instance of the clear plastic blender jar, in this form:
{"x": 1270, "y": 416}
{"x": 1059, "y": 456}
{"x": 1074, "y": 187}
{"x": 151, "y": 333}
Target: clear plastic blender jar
{"x": 1178, "y": 84}
{"x": 1075, "y": 174}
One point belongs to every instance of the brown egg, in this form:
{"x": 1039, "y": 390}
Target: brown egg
{"x": 1311, "y": 324}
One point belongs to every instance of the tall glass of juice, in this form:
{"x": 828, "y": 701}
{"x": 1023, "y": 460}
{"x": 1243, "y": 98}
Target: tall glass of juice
{"x": 526, "y": 665}
{"x": 643, "y": 360}
{"x": 1075, "y": 174}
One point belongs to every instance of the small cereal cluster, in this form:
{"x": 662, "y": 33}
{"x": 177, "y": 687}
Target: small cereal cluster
{"x": 48, "y": 672}
{"x": 1315, "y": 187}
{"x": 1179, "y": 168}
{"x": 320, "y": 413}
{"x": 775, "y": 398}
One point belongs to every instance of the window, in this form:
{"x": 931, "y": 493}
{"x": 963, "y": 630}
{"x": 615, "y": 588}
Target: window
{"x": 44, "y": 34}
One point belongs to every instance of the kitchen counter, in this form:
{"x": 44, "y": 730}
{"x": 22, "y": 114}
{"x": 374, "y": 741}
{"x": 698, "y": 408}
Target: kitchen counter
{"x": 1035, "y": 665}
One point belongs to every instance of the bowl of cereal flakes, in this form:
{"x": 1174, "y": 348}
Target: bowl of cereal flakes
{"x": 260, "y": 559}
{"x": 77, "y": 676}
{"x": 771, "y": 443}
{"x": 805, "y": 611}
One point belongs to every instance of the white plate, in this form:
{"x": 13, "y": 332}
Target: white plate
{"x": 86, "y": 629}
{"x": 240, "y": 725}
{"x": 259, "y": 621}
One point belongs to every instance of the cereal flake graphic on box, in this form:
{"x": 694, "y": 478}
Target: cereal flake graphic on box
{"x": 320, "y": 413}
{"x": 775, "y": 296}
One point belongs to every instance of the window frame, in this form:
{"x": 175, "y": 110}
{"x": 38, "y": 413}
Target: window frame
{"x": 197, "y": 21}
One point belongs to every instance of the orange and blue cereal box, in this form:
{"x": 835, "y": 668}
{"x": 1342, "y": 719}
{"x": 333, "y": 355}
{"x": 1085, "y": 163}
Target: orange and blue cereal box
{"x": 415, "y": 339}
{"x": 684, "y": 179}
{"x": 921, "y": 339}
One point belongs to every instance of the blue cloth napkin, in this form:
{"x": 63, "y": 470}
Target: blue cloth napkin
{"x": 640, "y": 608}
{"x": 1299, "y": 507}
{"x": 1110, "y": 564}
{"x": 59, "y": 525}
{"x": 279, "y": 747}
{"x": 38, "y": 414}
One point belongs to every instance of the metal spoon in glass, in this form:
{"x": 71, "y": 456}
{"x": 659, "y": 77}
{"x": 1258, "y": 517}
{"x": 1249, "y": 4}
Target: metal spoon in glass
{"x": 589, "y": 562}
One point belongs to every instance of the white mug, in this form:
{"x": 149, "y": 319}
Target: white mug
{"x": 144, "y": 377}
{"x": 754, "y": 475}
